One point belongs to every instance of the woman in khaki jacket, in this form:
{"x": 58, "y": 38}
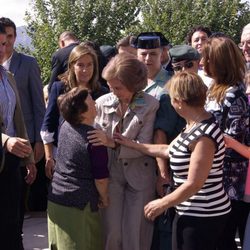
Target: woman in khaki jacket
{"x": 130, "y": 111}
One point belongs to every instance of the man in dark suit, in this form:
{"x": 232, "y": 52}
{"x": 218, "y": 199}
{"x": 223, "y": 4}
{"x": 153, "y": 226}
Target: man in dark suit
{"x": 29, "y": 84}
{"x": 28, "y": 79}
{"x": 17, "y": 152}
{"x": 59, "y": 63}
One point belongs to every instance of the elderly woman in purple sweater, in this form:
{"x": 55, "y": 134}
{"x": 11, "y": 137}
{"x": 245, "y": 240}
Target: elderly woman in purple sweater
{"x": 80, "y": 181}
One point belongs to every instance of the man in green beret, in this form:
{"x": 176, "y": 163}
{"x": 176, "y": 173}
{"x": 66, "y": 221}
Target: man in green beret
{"x": 184, "y": 57}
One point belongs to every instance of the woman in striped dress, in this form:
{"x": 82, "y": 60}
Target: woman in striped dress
{"x": 196, "y": 158}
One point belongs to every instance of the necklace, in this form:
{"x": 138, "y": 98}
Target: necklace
{"x": 196, "y": 121}
{"x": 123, "y": 107}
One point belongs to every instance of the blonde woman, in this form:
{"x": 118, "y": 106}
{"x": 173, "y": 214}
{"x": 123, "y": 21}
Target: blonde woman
{"x": 82, "y": 71}
{"x": 196, "y": 159}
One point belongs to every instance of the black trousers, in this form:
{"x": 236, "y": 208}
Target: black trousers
{"x": 10, "y": 196}
{"x": 38, "y": 191}
{"x": 162, "y": 237}
{"x": 197, "y": 233}
{"x": 236, "y": 222}
{"x": 33, "y": 197}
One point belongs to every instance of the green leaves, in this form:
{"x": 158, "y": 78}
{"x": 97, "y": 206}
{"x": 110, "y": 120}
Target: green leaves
{"x": 103, "y": 21}
{"x": 106, "y": 21}
{"x": 175, "y": 17}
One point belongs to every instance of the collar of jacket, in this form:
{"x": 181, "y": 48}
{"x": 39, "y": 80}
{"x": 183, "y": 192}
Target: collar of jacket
{"x": 135, "y": 106}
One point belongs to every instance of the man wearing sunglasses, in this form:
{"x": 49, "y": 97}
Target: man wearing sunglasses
{"x": 184, "y": 57}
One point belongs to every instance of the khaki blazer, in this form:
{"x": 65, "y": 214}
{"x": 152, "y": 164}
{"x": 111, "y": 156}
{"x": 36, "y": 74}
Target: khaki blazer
{"x": 18, "y": 121}
{"x": 138, "y": 125}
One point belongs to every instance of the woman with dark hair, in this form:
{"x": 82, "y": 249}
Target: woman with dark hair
{"x": 130, "y": 111}
{"x": 197, "y": 37}
{"x": 196, "y": 159}
{"x": 80, "y": 180}
{"x": 227, "y": 100}
{"x": 82, "y": 71}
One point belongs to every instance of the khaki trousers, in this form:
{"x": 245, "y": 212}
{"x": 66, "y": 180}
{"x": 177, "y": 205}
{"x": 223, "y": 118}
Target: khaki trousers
{"x": 125, "y": 226}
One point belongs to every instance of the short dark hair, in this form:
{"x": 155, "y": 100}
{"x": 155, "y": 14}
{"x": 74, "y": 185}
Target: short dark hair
{"x": 2, "y": 29}
{"x": 67, "y": 35}
{"x": 6, "y": 22}
{"x": 125, "y": 41}
{"x": 219, "y": 34}
{"x": 72, "y": 105}
{"x": 93, "y": 45}
{"x": 190, "y": 33}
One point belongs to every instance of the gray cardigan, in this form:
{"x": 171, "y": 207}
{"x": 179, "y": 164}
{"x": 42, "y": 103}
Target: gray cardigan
{"x": 73, "y": 182}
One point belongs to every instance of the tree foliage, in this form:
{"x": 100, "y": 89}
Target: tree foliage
{"x": 106, "y": 21}
{"x": 98, "y": 20}
{"x": 174, "y": 18}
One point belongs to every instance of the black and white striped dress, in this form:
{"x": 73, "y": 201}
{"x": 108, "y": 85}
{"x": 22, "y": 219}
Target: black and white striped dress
{"x": 212, "y": 199}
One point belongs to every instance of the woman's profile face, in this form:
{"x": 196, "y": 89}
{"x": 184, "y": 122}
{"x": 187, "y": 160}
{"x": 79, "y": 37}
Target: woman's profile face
{"x": 120, "y": 90}
{"x": 84, "y": 69}
{"x": 91, "y": 113}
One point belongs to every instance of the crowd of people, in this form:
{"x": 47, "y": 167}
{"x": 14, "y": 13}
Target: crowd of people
{"x": 142, "y": 146}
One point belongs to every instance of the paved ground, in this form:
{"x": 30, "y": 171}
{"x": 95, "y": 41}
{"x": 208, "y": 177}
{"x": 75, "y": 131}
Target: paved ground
{"x": 35, "y": 232}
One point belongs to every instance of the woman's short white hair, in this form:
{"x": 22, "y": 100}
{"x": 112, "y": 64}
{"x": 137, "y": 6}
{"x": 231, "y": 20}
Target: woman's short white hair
{"x": 246, "y": 30}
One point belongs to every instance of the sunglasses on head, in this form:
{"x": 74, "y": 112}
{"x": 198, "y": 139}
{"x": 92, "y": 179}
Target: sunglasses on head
{"x": 186, "y": 65}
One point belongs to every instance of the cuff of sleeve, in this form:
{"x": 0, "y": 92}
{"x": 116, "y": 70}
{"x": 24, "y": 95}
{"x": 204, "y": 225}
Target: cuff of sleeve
{"x": 47, "y": 137}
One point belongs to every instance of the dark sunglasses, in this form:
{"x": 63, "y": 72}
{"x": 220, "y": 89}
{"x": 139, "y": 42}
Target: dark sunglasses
{"x": 186, "y": 65}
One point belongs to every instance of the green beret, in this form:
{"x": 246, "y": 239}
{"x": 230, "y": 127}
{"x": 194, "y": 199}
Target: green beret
{"x": 183, "y": 52}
